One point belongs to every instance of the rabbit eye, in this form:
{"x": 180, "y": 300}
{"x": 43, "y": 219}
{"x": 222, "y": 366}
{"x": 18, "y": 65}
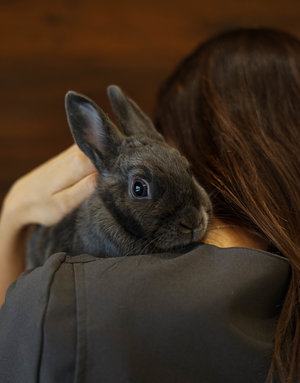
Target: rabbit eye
{"x": 140, "y": 188}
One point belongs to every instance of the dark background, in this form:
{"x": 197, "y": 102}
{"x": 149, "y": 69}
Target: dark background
{"x": 49, "y": 47}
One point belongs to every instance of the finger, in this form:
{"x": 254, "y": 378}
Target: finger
{"x": 63, "y": 170}
{"x": 71, "y": 168}
{"x": 70, "y": 198}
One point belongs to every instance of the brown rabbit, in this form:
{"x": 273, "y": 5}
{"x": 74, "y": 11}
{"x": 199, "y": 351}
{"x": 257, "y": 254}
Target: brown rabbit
{"x": 146, "y": 200}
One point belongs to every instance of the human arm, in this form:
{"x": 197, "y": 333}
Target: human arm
{"x": 42, "y": 196}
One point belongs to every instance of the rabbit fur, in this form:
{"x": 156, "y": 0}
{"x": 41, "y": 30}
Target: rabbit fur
{"x": 146, "y": 199}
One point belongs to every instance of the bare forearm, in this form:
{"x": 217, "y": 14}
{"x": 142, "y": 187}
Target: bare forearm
{"x": 13, "y": 247}
{"x": 13, "y": 236}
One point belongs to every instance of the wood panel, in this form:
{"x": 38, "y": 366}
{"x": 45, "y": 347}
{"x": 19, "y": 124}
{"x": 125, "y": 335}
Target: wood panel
{"x": 47, "y": 48}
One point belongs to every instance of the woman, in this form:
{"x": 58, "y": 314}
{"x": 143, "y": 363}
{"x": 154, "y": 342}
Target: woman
{"x": 231, "y": 108}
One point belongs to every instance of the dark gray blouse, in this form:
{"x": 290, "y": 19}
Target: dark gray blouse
{"x": 204, "y": 316}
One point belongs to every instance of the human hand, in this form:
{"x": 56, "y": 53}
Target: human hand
{"x": 42, "y": 196}
{"x": 52, "y": 190}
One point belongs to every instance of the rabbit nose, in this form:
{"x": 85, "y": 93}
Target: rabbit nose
{"x": 193, "y": 223}
{"x": 185, "y": 228}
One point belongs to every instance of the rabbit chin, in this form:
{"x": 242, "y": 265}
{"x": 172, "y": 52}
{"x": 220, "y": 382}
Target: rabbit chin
{"x": 178, "y": 240}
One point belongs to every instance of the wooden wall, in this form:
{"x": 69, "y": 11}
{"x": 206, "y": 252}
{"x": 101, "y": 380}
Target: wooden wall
{"x": 49, "y": 47}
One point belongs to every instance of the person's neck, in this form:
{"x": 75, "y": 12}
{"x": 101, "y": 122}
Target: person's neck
{"x": 226, "y": 235}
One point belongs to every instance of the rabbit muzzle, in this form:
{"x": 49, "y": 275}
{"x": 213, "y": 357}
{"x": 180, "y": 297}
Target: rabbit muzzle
{"x": 194, "y": 224}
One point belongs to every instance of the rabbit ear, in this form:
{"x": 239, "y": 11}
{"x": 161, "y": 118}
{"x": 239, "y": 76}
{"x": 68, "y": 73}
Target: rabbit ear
{"x": 93, "y": 131}
{"x": 131, "y": 118}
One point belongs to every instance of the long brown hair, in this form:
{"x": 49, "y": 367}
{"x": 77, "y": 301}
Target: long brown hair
{"x": 233, "y": 108}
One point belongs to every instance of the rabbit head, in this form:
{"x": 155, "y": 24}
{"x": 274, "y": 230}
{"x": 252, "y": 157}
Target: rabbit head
{"x": 145, "y": 185}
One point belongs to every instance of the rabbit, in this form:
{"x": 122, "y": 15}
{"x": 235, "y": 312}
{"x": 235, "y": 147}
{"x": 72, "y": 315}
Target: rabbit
{"x": 146, "y": 199}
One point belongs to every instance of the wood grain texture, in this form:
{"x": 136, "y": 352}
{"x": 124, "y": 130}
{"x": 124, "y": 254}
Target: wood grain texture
{"x": 47, "y": 48}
